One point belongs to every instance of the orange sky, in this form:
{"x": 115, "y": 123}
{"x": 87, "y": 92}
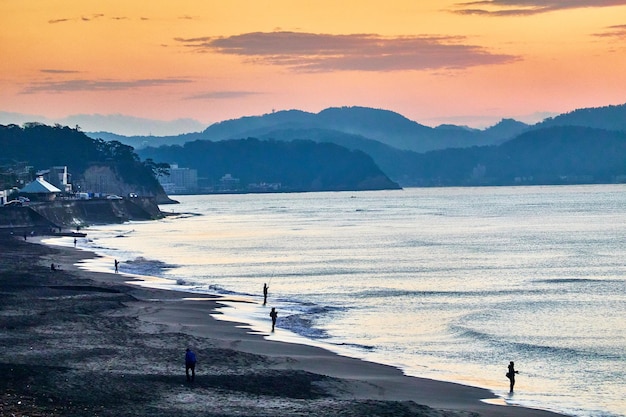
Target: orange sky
{"x": 433, "y": 61}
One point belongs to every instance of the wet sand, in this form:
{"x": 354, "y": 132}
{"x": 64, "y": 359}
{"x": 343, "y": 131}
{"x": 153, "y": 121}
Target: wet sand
{"x": 77, "y": 343}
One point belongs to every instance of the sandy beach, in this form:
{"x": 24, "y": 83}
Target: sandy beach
{"x": 77, "y": 343}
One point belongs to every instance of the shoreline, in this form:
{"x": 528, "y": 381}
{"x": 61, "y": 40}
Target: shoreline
{"x": 236, "y": 367}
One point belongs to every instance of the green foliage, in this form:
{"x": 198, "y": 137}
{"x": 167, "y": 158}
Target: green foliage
{"x": 157, "y": 168}
{"x": 46, "y": 146}
{"x": 297, "y": 165}
{"x": 607, "y": 117}
{"x": 556, "y": 155}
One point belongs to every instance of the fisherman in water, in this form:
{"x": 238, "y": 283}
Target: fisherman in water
{"x": 274, "y": 316}
{"x": 265, "y": 288}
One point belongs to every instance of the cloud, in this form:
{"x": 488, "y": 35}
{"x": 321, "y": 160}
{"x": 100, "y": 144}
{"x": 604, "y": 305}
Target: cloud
{"x": 359, "y": 52}
{"x": 89, "y": 18}
{"x": 618, "y": 32}
{"x": 58, "y": 71}
{"x": 97, "y": 85}
{"x": 53, "y": 21}
{"x": 529, "y": 7}
{"x": 222, "y": 95}
{"x": 92, "y": 17}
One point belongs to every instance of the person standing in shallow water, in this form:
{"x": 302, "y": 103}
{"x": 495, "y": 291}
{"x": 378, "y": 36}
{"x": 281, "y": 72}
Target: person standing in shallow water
{"x": 511, "y": 375}
{"x": 274, "y": 316}
{"x": 116, "y": 266}
{"x": 265, "y": 288}
{"x": 190, "y": 365}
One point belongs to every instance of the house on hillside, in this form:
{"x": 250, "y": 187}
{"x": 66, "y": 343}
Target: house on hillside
{"x": 40, "y": 190}
{"x": 57, "y": 176}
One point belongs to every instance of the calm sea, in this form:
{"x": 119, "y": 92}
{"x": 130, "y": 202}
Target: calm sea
{"x": 445, "y": 283}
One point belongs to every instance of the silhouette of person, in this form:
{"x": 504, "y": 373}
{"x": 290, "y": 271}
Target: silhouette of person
{"x": 74, "y": 242}
{"x": 274, "y": 316}
{"x": 116, "y": 265}
{"x": 511, "y": 375}
{"x": 190, "y": 364}
{"x": 52, "y": 267}
{"x": 265, "y": 288}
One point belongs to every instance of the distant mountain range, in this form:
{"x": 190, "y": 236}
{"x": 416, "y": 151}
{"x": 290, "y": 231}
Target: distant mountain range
{"x": 127, "y": 125}
{"x": 414, "y": 154}
{"x": 383, "y": 126}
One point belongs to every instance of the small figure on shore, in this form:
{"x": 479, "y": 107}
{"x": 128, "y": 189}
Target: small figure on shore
{"x": 511, "y": 375}
{"x": 190, "y": 364}
{"x": 74, "y": 242}
{"x": 116, "y": 265}
{"x": 274, "y": 316}
{"x": 265, "y": 288}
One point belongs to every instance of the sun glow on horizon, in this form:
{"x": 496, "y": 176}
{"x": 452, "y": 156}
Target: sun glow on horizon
{"x": 213, "y": 61}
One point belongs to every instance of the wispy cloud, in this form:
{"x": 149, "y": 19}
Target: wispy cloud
{"x": 62, "y": 20}
{"x": 97, "y": 85}
{"x": 529, "y": 7}
{"x": 58, "y": 71}
{"x": 89, "y": 18}
{"x": 222, "y": 95}
{"x": 313, "y": 52}
{"x": 618, "y": 32}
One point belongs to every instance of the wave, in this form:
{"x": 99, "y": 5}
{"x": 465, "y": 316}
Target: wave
{"x": 574, "y": 281}
{"x": 144, "y": 266}
{"x": 384, "y": 293}
{"x": 529, "y": 349}
{"x": 305, "y": 316}
{"x": 356, "y": 346}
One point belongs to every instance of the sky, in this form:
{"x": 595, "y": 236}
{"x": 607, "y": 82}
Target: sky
{"x": 193, "y": 63}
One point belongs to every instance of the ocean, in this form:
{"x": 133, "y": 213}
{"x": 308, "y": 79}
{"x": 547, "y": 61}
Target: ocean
{"x": 444, "y": 283}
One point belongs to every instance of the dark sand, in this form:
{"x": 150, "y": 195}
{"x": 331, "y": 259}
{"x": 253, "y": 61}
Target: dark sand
{"x": 78, "y": 343}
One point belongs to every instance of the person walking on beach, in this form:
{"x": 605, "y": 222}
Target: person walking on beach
{"x": 190, "y": 365}
{"x": 265, "y": 288}
{"x": 274, "y": 316}
{"x": 511, "y": 375}
{"x": 116, "y": 265}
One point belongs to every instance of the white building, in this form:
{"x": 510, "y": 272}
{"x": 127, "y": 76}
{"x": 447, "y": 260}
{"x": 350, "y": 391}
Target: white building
{"x": 41, "y": 189}
{"x": 180, "y": 180}
{"x": 57, "y": 176}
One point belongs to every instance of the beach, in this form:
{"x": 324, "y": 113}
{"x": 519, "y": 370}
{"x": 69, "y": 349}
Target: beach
{"x": 78, "y": 343}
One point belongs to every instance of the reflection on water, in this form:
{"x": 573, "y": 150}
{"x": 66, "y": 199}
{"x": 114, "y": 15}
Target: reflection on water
{"x": 446, "y": 283}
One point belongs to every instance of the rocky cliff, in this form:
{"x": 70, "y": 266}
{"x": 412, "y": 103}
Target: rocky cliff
{"x": 47, "y": 216}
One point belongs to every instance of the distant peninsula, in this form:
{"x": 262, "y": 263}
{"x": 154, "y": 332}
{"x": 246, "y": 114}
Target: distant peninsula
{"x": 96, "y": 167}
{"x": 586, "y": 146}
{"x": 253, "y": 165}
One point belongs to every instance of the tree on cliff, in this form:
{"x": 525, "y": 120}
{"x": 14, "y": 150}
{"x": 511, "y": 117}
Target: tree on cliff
{"x": 45, "y": 146}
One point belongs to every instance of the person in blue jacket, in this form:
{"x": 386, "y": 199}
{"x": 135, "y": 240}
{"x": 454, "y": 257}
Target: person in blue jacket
{"x": 190, "y": 364}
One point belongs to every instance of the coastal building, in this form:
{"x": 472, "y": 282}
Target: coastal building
{"x": 180, "y": 180}
{"x": 228, "y": 183}
{"x": 265, "y": 187}
{"x": 40, "y": 189}
{"x": 57, "y": 176}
